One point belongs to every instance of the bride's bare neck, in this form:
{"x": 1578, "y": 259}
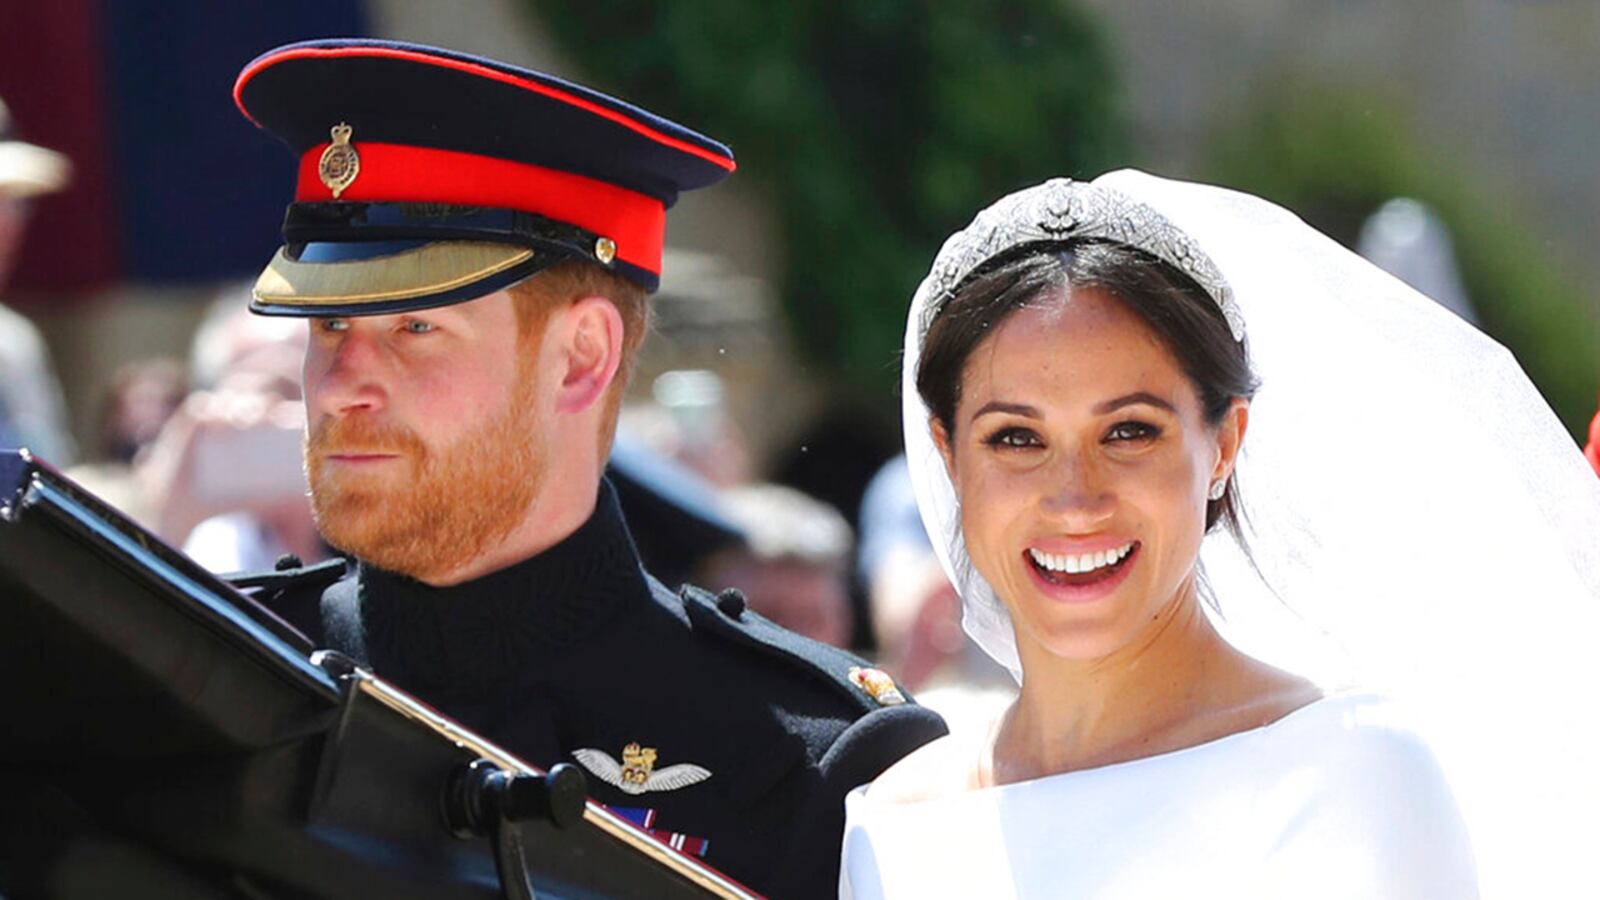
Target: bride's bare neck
{"x": 1179, "y": 684}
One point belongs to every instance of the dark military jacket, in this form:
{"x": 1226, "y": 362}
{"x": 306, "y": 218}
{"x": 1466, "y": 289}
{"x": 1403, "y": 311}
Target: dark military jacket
{"x": 731, "y": 738}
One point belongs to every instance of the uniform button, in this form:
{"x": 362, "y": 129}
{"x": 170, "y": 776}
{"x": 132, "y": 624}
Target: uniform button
{"x": 731, "y": 602}
{"x": 286, "y": 562}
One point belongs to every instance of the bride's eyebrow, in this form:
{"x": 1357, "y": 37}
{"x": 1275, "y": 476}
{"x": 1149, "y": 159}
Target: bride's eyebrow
{"x": 1131, "y": 399}
{"x": 1001, "y": 406}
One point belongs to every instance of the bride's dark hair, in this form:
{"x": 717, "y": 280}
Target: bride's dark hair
{"x": 1176, "y": 309}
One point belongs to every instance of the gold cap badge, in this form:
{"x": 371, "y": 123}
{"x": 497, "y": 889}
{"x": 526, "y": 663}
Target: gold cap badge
{"x": 340, "y": 163}
{"x": 605, "y": 250}
{"x": 878, "y": 684}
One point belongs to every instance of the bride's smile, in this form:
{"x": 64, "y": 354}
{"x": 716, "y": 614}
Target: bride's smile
{"x": 1082, "y": 577}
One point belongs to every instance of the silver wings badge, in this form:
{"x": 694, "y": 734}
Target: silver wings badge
{"x": 636, "y": 773}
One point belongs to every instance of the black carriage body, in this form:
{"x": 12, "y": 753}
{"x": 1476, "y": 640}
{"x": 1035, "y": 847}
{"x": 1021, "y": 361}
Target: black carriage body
{"x": 166, "y": 736}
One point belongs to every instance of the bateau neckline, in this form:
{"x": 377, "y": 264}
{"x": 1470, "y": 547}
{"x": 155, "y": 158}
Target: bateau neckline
{"x": 1339, "y": 698}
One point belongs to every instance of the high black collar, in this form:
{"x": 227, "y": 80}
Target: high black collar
{"x": 509, "y": 623}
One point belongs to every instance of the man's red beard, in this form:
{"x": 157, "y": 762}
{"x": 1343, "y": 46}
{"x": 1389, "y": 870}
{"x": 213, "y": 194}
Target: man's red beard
{"x": 436, "y": 510}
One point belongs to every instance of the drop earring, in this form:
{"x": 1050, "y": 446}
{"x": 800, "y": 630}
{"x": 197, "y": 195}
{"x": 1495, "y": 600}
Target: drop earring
{"x": 1218, "y": 488}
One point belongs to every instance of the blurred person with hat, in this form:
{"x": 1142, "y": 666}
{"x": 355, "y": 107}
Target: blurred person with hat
{"x": 793, "y": 562}
{"x": 32, "y": 413}
{"x": 472, "y": 244}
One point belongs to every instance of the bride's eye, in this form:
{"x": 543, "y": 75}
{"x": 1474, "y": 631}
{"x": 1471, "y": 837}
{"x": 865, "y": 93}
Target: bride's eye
{"x": 1124, "y": 432}
{"x": 1013, "y": 438}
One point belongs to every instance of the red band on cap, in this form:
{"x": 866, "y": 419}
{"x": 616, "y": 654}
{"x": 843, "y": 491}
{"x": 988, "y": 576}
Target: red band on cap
{"x": 395, "y": 173}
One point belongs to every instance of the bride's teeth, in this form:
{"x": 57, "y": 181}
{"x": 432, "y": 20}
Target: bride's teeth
{"x": 1074, "y": 565}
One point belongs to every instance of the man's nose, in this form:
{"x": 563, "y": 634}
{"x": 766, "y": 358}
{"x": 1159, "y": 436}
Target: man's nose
{"x": 351, "y": 379}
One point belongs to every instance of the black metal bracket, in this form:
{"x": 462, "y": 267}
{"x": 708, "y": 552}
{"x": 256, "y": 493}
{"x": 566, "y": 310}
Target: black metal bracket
{"x": 481, "y": 799}
{"x": 481, "y": 795}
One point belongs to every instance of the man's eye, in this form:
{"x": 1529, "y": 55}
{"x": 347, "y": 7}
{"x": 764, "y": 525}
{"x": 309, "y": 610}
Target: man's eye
{"x": 1013, "y": 438}
{"x": 333, "y": 324}
{"x": 1132, "y": 431}
{"x": 417, "y": 326}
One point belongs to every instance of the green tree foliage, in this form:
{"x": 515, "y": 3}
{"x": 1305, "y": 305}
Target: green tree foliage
{"x": 1334, "y": 156}
{"x": 879, "y": 126}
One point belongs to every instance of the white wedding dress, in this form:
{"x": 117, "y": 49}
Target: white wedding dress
{"x": 1339, "y": 799}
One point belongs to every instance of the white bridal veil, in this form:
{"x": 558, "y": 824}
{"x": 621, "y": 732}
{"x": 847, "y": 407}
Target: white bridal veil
{"x": 1426, "y": 526}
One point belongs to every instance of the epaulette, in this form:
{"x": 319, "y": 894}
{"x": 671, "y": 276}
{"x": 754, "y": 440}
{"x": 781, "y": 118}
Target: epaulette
{"x": 315, "y": 576}
{"x": 727, "y": 615}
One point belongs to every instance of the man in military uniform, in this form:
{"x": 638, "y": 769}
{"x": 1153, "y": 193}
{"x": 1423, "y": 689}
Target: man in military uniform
{"x": 473, "y": 244}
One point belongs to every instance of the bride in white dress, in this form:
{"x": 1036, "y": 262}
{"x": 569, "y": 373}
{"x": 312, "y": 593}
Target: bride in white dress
{"x": 1396, "y": 506}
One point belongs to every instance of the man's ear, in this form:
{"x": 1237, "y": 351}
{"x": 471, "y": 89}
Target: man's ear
{"x": 592, "y": 351}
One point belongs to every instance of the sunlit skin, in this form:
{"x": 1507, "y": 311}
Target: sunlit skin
{"x": 1077, "y": 432}
{"x": 512, "y": 422}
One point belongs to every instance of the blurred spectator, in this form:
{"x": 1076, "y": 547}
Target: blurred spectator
{"x": 794, "y": 567}
{"x": 142, "y": 397}
{"x": 226, "y": 475}
{"x": 674, "y": 515}
{"x": 890, "y": 520}
{"x": 689, "y": 422}
{"x": 31, "y": 410}
{"x": 232, "y": 340}
{"x": 1406, "y": 239}
{"x": 916, "y": 614}
{"x": 916, "y": 617}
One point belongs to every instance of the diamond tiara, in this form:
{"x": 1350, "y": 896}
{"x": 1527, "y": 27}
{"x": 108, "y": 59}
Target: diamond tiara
{"x": 1062, "y": 209}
